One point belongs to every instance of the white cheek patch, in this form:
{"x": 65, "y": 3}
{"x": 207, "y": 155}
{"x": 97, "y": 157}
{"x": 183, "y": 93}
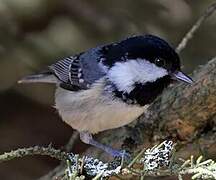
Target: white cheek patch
{"x": 125, "y": 74}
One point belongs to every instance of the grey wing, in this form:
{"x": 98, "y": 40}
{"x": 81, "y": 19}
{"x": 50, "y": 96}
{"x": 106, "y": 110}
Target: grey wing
{"x": 78, "y": 72}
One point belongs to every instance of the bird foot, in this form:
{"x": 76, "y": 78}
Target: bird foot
{"x": 87, "y": 138}
{"x": 120, "y": 154}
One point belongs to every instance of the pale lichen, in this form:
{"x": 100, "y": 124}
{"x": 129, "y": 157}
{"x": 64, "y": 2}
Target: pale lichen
{"x": 158, "y": 156}
{"x": 91, "y": 167}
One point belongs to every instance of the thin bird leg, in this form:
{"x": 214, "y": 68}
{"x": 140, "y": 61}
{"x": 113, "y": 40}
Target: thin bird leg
{"x": 88, "y": 139}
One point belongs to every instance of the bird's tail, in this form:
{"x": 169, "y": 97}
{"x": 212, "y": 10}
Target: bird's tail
{"x": 44, "y": 77}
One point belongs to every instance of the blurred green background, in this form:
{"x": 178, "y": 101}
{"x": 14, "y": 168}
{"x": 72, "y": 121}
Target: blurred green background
{"x": 35, "y": 33}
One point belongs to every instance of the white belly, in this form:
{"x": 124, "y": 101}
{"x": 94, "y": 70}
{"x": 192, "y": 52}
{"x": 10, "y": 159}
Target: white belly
{"x": 89, "y": 110}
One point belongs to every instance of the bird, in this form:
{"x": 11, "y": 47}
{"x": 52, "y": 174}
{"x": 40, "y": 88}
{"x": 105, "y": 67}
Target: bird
{"x": 111, "y": 85}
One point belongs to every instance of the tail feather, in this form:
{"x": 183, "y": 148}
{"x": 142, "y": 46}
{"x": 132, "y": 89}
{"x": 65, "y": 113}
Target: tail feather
{"x": 39, "y": 78}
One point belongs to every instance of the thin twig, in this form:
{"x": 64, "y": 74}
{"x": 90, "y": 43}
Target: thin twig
{"x": 136, "y": 158}
{"x": 208, "y": 12}
{"x": 68, "y": 147}
{"x": 36, "y": 150}
{"x": 172, "y": 158}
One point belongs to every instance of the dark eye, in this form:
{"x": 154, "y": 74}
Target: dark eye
{"x": 160, "y": 62}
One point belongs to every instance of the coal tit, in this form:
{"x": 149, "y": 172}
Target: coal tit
{"x": 111, "y": 85}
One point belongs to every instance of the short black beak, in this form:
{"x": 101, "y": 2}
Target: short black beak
{"x": 180, "y": 76}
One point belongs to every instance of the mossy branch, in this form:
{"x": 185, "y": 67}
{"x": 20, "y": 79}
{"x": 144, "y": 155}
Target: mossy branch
{"x": 157, "y": 161}
{"x": 36, "y": 150}
{"x": 156, "y": 165}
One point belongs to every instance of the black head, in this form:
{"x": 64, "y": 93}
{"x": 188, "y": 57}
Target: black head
{"x": 148, "y": 47}
{"x": 141, "y": 67}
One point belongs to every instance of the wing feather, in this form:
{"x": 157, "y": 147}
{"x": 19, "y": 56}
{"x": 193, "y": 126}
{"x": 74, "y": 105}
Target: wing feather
{"x": 69, "y": 72}
{"x": 62, "y": 69}
{"x": 79, "y": 71}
